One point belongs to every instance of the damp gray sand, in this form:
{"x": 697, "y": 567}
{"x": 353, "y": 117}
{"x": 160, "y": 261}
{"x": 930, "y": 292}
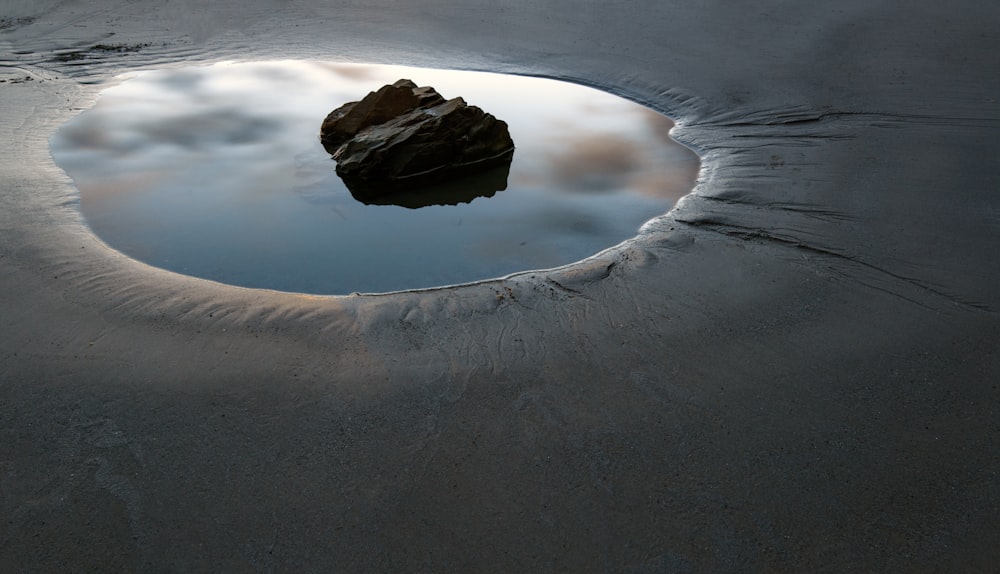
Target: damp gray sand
{"x": 794, "y": 369}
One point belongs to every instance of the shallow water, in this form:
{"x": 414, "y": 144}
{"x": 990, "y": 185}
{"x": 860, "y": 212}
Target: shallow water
{"x": 218, "y": 172}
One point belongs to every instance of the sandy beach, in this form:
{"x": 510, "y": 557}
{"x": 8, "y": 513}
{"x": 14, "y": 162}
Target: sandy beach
{"x": 795, "y": 369}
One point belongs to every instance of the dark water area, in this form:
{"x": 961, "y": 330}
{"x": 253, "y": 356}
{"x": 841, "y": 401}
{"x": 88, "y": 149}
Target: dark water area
{"x": 218, "y": 172}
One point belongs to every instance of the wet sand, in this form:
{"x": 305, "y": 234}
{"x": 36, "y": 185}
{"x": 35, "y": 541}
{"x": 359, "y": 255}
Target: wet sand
{"x": 794, "y": 370}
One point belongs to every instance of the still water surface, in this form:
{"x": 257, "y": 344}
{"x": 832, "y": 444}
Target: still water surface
{"x": 218, "y": 172}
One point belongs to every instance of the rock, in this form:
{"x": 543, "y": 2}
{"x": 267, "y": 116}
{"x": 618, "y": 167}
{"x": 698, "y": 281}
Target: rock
{"x": 403, "y": 137}
{"x": 378, "y": 107}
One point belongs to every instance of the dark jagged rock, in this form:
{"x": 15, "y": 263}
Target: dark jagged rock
{"x": 424, "y": 145}
{"x": 405, "y": 137}
{"x": 388, "y": 102}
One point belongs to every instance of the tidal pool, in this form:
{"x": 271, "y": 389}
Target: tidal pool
{"x": 218, "y": 172}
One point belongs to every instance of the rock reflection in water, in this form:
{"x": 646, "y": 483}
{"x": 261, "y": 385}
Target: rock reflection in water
{"x": 217, "y": 172}
{"x": 462, "y": 190}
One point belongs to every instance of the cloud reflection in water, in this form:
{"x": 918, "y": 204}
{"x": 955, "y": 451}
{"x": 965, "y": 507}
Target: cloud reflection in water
{"x": 218, "y": 172}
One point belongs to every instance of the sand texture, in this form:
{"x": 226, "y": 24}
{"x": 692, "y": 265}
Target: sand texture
{"x": 796, "y": 369}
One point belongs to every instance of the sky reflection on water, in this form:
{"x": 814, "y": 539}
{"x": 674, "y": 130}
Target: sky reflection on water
{"x": 218, "y": 172}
